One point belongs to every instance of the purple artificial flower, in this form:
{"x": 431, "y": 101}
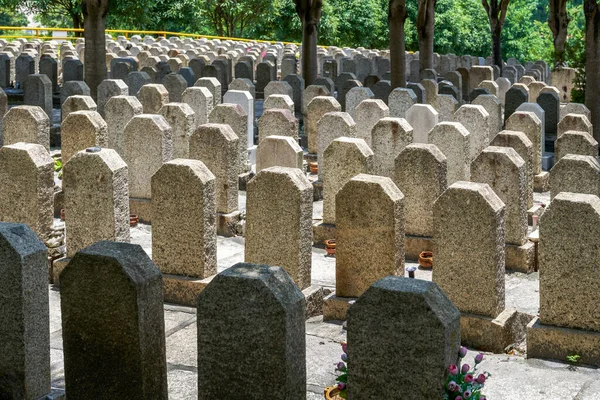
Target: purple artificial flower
{"x": 465, "y": 368}
{"x": 452, "y": 386}
{"x": 341, "y": 366}
{"x": 468, "y": 378}
{"x": 480, "y": 379}
{"x": 344, "y": 347}
{"x": 467, "y": 394}
{"x": 462, "y": 352}
{"x": 341, "y": 385}
{"x": 458, "y": 398}
{"x": 344, "y": 357}
{"x": 452, "y": 369}
{"x": 478, "y": 358}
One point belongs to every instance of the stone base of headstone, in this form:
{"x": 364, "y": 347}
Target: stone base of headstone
{"x": 59, "y": 202}
{"x": 414, "y": 245}
{"x": 541, "y": 182}
{"x": 55, "y": 394}
{"x": 520, "y": 258}
{"x": 57, "y": 268}
{"x": 317, "y": 190}
{"x": 335, "y": 308}
{"x": 183, "y": 290}
{"x": 142, "y": 208}
{"x": 226, "y": 223}
{"x": 321, "y": 233}
{"x": 547, "y": 162}
{"x": 557, "y": 343}
{"x": 493, "y": 334}
{"x": 243, "y": 180}
{"x": 536, "y": 210}
{"x": 314, "y": 300}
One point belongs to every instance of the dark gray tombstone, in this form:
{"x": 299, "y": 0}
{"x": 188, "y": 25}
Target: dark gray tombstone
{"x": 515, "y": 96}
{"x": 113, "y": 324}
{"x": 419, "y": 91}
{"x": 37, "y": 91}
{"x": 162, "y": 69}
{"x": 24, "y": 66}
{"x": 382, "y": 65}
{"x": 120, "y": 70}
{"x": 223, "y": 65}
{"x": 455, "y": 78}
{"x": 73, "y": 88}
{"x": 349, "y": 84}
{"x": 464, "y": 74}
{"x": 496, "y": 70}
{"x": 363, "y": 68}
{"x": 25, "y": 328}
{"x": 327, "y": 82}
{"x": 330, "y": 69}
{"x": 429, "y": 73}
{"x": 347, "y": 64}
{"x": 370, "y": 81}
{"x": 297, "y": 84}
{"x": 135, "y": 81}
{"x": 245, "y": 70}
{"x": 265, "y": 73}
{"x": 415, "y": 71}
{"x": 342, "y": 78}
{"x": 510, "y": 72}
{"x": 478, "y": 92}
{"x": 188, "y": 74}
{"x": 215, "y": 71}
{"x": 251, "y": 335}
{"x": 4, "y": 71}
{"x": 72, "y": 70}
{"x": 445, "y": 88}
{"x": 49, "y": 66}
{"x": 130, "y": 60}
{"x": 197, "y": 65}
{"x": 152, "y": 73}
{"x": 550, "y": 103}
{"x": 411, "y": 319}
{"x": 175, "y": 85}
{"x": 382, "y": 90}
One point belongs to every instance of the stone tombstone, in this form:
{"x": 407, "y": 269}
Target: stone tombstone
{"x": 201, "y": 102}
{"x": 475, "y": 119}
{"x": 400, "y": 100}
{"x": 343, "y": 159}
{"x": 281, "y": 101}
{"x": 77, "y": 103}
{"x": 331, "y": 126}
{"x": 5, "y": 70}
{"x": 148, "y": 145}
{"x": 120, "y": 70}
{"x": 515, "y": 96}
{"x": 389, "y": 137}
{"x": 293, "y": 206}
{"x": 243, "y": 84}
{"x": 490, "y": 86}
{"x": 315, "y": 110}
{"x": 297, "y": 84}
{"x": 534, "y": 90}
{"x": 455, "y": 78}
{"x": 243, "y": 69}
{"x": 25, "y": 361}
{"x": 382, "y": 90}
{"x": 422, "y": 117}
{"x": 505, "y": 172}
{"x": 265, "y": 73}
{"x": 278, "y": 87}
{"x": 367, "y": 204}
{"x": 401, "y": 312}
{"x": 574, "y": 142}
{"x": 355, "y": 96}
{"x": 184, "y": 232}
{"x": 277, "y": 122}
{"x": 549, "y": 100}
{"x": 469, "y": 219}
{"x": 311, "y": 92}
{"x": 24, "y": 66}
{"x": 421, "y": 175}
{"x": 575, "y": 122}
{"x": 431, "y": 88}
{"x": 367, "y": 114}
{"x": 188, "y": 74}
{"x": 29, "y": 124}
{"x": 273, "y": 320}
{"x": 453, "y": 140}
{"x": 566, "y": 298}
{"x": 109, "y": 88}
{"x": 136, "y": 80}
{"x": 120, "y": 324}
{"x": 213, "y": 85}
{"x": 3, "y": 111}
{"x": 216, "y": 71}
{"x": 531, "y": 126}
{"x": 197, "y": 64}
{"x": 216, "y": 145}
{"x": 175, "y": 85}
{"x": 181, "y": 119}
{"x": 73, "y": 88}
{"x": 226, "y": 71}
{"x": 153, "y": 97}
{"x": 152, "y": 73}
{"x": 119, "y": 110}
{"x": 327, "y": 82}
{"x": 503, "y": 87}
{"x": 72, "y": 70}
{"x": 37, "y": 91}
{"x": 464, "y": 77}
{"x": 278, "y": 151}
{"x": 576, "y": 174}
{"x": 574, "y": 108}
{"x": 80, "y": 130}
{"x": 493, "y": 106}
{"x": 49, "y": 66}
{"x": 446, "y": 105}
{"x": 524, "y": 148}
{"x": 96, "y": 199}
{"x": 234, "y": 116}
{"x": 244, "y": 99}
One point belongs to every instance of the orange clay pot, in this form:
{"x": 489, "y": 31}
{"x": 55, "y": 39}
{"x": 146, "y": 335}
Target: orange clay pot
{"x": 426, "y": 259}
{"x": 331, "y": 393}
{"x": 330, "y": 247}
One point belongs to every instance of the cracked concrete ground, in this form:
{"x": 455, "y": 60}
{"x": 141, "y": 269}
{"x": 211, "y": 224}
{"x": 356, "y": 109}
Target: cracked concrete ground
{"x": 513, "y": 377}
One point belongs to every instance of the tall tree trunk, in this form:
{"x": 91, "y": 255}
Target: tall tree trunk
{"x": 558, "y": 21}
{"x": 426, "y": 32}
{"x": 77, "y": 23}
{"x": 497, "y": 44}
{"x": 496, "y": 11}
{"x": 396, "y": 17}
{"x": 592, "y": 53}
{"x": 309, "y": 12}
{"x": 94, "y": 13}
